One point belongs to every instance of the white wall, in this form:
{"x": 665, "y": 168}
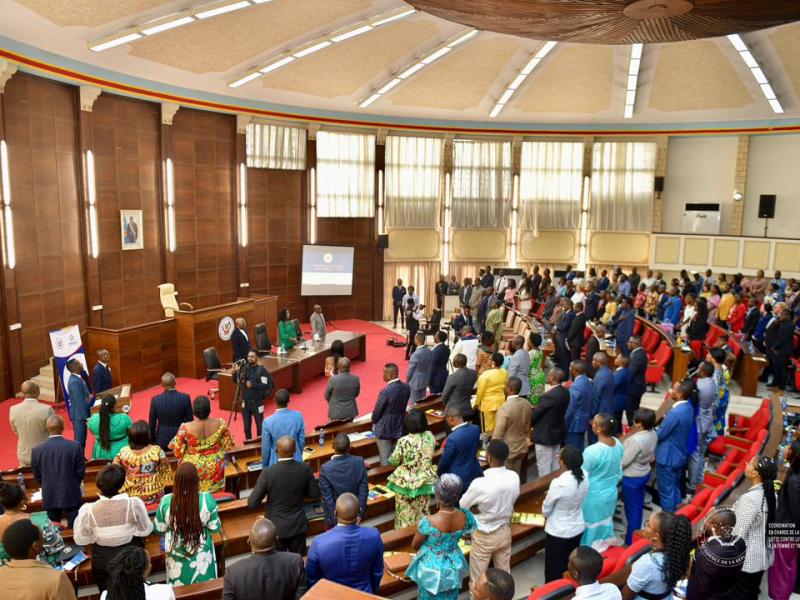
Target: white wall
{"x": 699, "y": 169}
{"x": 773, "y": 168}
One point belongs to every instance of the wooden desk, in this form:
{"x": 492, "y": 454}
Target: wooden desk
{"x": 747, "y": 371}
{"x": 298, "y": 365}
{"x": 328, "y": 590}
{"x": 123, "y": 394}
{"x": 681, "y": 356}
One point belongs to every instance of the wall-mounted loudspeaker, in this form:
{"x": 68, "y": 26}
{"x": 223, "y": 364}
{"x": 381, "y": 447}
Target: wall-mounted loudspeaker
{"x": 383, "y": 241}
{"x": 659, "y": 184}
{"x": 766, "y": 206}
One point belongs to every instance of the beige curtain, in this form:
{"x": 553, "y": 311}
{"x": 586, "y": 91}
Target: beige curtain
{"x": 345, "y": 174}
{"x": 276, "y": 147}
{"x": 481, "y": 184}
{"x": 422, "y": 275}
{"x": 413, "y": 181}
{"x": 550, "y": 185}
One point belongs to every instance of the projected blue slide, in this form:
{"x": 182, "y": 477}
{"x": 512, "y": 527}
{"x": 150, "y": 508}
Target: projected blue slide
{"x": 327, "y": 271}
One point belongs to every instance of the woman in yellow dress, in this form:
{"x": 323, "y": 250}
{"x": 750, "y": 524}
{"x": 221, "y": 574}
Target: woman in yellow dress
{"x": 147, "y": 470}
{"x": 491, "y": 392}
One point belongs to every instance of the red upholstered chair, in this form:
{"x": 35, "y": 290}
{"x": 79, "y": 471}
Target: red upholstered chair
{"x": 701, "y": 497}
{"x": 697, "y": 349}
{"x": 717, "y": 496}
{"x": 657, "y": 366}
{"x": 560, "y": 588}
{"x": 637, "y": 327}
{"x": 796, "y": 364}
{"x": 610, "y": 557}
{"x": 690, "y": 511}
{"x": 633, "y": 553}
{"x": 650, "y": 341}
{"x": 738, "y": 424}
{"x": 759, "y": 423}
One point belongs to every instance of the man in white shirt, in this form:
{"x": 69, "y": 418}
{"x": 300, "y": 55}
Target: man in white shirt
{"x": 468, "y": 346}
{"x": 494, "y": 495}
{"x": 412, "y": 295}
{"x": 585, "y": 565}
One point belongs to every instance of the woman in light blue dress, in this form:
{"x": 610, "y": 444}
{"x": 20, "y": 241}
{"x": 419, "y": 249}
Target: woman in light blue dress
{"x": 439, "y": 566}
{"x": 603, "y": 462}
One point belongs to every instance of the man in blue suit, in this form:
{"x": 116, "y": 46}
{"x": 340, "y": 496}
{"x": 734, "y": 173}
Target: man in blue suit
{"x": 623, "y": 325}
{"x": 603, "y": 387}
{"x": 283, "y": 422}
{"x": 59, "y": 465}
{"x": 389, "y": 412}
{"x": 168, "y": 411}
{"x": 348, "y": 554}
{"x": 622, "y": 384}
{"x": 672, "y": 307}
{"x": 672, "y": 447}
{"x": 101, "y": 376}
{"x": 581, "y": 396}
{"x": 80, "y": 401}
{"x": 460, "y": 454}
{"x": 342, "y": 474}
{"x": 419, "y": 369}
{"x": 440, "y": 354}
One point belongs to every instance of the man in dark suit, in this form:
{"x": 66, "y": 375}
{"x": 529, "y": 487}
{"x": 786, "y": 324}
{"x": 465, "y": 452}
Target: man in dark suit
{"x": 603, "y": 387}
{"x": 463, "y": 319}
{"x": 440, "y": 355}
{"x": 343, "y": 473}
{"x": 389, "y": 412}
{"x": 168, "y": 411}
{"x": 593, "y": 347}
{"x": 266, "y": 573}
{"x": 341, "y": 393}
{"x": 623, "y": 325}
{"x": 591, "y": 303}
{"x": 419, "y": 369}
{"x": 80, "y": 401}
{"x": 576, "y": 335}
{"x": 752, "y": 317}
{"x": 256, "y": 385}
{"x": 579, "y": 410}
{"x": 459, "y": 387}
{"x": 240, "y": 340}
{"x": 286, "y": 485}
{"x": 535, "y": 283}
{"x": 465, "y": 293}
{"x": 441, "y": 291}
{"x": 563, "y": 354}
{"x": 101, "y": 376}
{"x": 638, "y": 369}
{"x": 58, "y": 465}
{"x": 548, "y": 423}
{"x": 348, "y": 554}
{"x": 398, "y": 292}
{"x": 779, "y": 348}
{"x": 461, "y": 448}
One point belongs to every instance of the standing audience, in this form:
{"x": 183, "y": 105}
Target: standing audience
{"x": 461, "y": 448}
{"x": 549, "y": 433}
{"x": 168, "y": 411}
{"x": 783, "y": 572}
{"x": 637, "y": 460}
{"x": 341, "y": 393}
{"x": 28, "y": 421}
{"x": 513, "y": 426}
{"x": 283, "y": 422}
{"x": 603, "y": 462}
{"x": 147, "y": 471}
{"x": 458, "y": 388}
{"x": 109, "y": 428}
{"x": 342, "y": 474}
{"x": 440, "y": 356}
{"x": 673, "y": 443}
{"x": 579, "y": 411}
{"x": 419, "y": 369}
{"x": 491, "y": 392}
{"x": 389, "y": 412}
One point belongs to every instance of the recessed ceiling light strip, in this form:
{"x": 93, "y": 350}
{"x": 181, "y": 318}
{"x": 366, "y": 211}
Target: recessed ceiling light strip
{"x": 188, "y": 15}
{"x": 520, "y": 78}
{"x": 633, "y": 79}
{"x": 417, "y": 65}
{"x": 329, "y": 39}
{"x": 758, "y": 73}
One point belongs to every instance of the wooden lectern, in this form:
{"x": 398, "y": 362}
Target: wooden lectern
{"x": 123, "y": 394}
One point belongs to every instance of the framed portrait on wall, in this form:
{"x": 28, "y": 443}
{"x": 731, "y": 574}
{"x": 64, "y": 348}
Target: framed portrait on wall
{"x": 132, "y": 234}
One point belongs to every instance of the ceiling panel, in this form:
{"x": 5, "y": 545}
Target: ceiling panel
{"x": 87, "y": 13}
{"x": 787, "y": 45}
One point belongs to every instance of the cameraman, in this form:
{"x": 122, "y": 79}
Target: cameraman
{"x": 255, "y": 384}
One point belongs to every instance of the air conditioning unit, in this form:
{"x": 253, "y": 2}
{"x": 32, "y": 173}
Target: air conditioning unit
{"x": 701, "y": 218}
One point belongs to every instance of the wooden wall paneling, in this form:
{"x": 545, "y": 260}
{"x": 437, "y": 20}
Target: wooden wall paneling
{"x": 126, "y": 149}
{"x": 205, "y": 257}
{"x": 10, "y": 348}
{"x": 41, "y": 128}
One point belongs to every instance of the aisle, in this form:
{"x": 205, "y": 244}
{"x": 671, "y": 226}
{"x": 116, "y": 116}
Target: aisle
{"x": 311, "y": 402}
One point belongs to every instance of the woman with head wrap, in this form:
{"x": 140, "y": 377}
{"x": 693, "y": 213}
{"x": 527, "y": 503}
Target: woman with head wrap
{"x": 439, "y": 566}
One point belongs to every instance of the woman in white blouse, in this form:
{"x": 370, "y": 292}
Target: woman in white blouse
{"x": 563, "y": 509}
{"x": 755, "y": 510}
{"x": 116, "y": 521}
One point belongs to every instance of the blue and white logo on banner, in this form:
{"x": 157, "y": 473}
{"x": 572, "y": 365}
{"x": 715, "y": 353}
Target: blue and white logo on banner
{"x": 67, "y": 345}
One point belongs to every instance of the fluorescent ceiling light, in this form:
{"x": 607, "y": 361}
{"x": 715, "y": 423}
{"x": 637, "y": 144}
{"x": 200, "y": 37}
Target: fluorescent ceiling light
{"x": 352, "y": 33}
{"x": 520, "y": 78}
{"x": 411, "y": 70}
{"x": 245, "y": 79}
{"x": 496, "y": 110}
{"x": 776, "y": 106}
{"x": 634, "y": 66}
{"x": 369, "y": 100}
{"x": 530, "y": 66}
{"x": 545, "y": 50}
{"x": 260, "y": 1}
{"x": 389, "y": 85}
{"x": 769, "y": 93}
{"x": 758, "y": 73}
{"x": 436, "y": 55}
{"x": 749, "y": 59}
{"x": 221, "y": 10}
{"x": 633, "y": 79}
{"x": 166, "y": 26}
{"x": 636, "y": 51}
{"x": 517, "y": 81}
{"x": 463, "y": 38}
{"x": 401, "y": 15}
{"x": 277, "y": 64}
{"x": 312, "y": 49}
{"x": 737, "y": 42}
{"x": 116, "y": 42}
{"x": 506, "y": 96}
{"x": 628, "y": 111}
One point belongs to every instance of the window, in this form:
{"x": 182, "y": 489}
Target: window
{"x": 345, "y": 174}
{"x": 550, "y": 185}
{"x": 413, "y": 181}
{"x": 623, "y": 175}
{"x": 276, "y": 147}
{"x": 481, "y": 184}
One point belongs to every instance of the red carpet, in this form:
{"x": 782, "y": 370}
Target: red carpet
{"x": 311, "y": 402}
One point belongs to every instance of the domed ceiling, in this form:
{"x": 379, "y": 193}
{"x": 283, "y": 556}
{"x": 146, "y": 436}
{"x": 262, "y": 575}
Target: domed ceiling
{"x": 504, "y": 62}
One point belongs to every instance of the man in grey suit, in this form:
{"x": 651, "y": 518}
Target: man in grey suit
{"x": 459, "y": 386}
{"x": 341, "y": 393}
{"x": 520, "y": 365}
{"x": 419, "y": 369}
{"x": 317, "y": 324}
